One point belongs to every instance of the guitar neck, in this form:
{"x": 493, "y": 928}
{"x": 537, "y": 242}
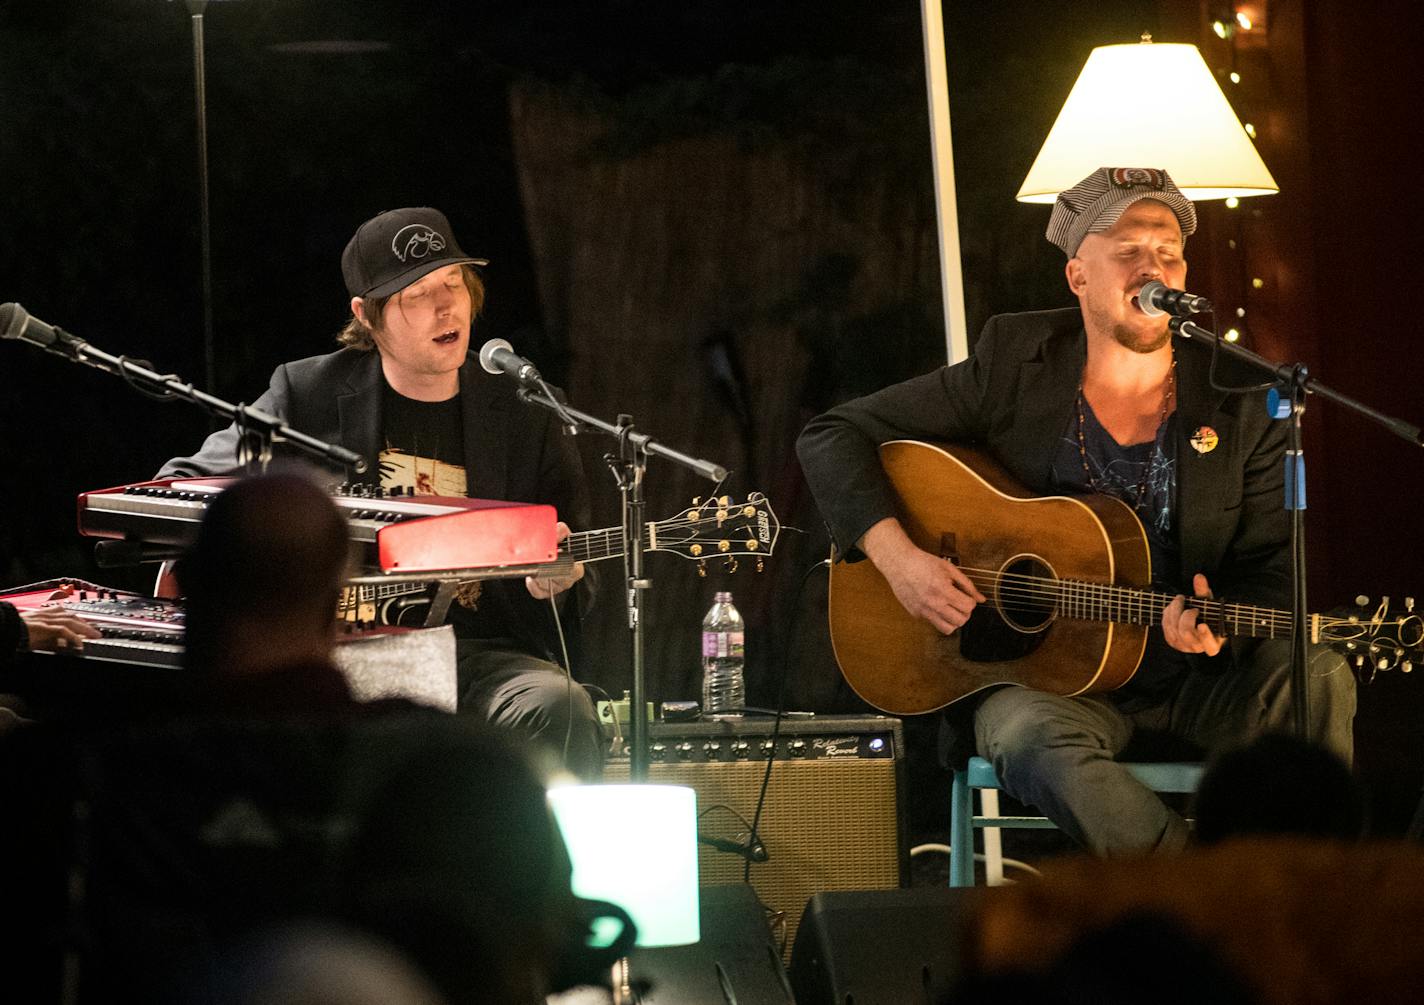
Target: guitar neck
{"x": 1126, "y": 605}
{"x": 596, "y": 545}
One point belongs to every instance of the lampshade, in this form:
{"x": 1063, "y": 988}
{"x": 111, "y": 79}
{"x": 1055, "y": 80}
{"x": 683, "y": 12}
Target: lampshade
{"x": 635, "y": 845}
{"x": 1149, "y": 105}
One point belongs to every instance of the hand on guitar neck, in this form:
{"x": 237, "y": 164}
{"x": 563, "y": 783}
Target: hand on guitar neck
{"x": 926, "y": 585}
{"x": 1180, "y": 625}
{"x": 543, "y": 589}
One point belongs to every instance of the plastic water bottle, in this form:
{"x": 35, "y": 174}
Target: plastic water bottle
{"x": 724, "y": 686}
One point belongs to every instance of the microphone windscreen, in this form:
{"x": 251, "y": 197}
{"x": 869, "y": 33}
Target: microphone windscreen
{"x": 1146, "y": 297}
{"x": 487, "y": 352}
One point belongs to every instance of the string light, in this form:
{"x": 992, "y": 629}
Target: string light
{"x": 1231, "y": 24}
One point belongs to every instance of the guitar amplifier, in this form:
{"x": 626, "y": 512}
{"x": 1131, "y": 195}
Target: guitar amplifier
{"x": 833, "y": 816}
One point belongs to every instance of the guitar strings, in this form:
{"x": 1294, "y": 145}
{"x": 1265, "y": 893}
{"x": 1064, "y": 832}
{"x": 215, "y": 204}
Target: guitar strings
{"x": 1035, "y": 592}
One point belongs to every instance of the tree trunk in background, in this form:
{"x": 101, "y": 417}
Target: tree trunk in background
{"x": 721, "y": 292}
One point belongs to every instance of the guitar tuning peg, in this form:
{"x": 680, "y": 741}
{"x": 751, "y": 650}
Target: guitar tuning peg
{"x": 730, "y": 565}
{"x": 1409, "y": 604}
{"x": 696, "y": 501}
{"x": 702, "y": 569}
{"x": 1362, "y": 601}
{"x": 1406, "y": 666}
{"x": 760, "y": 565}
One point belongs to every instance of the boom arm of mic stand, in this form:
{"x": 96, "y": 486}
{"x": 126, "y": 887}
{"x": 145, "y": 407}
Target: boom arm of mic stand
{"x": 1288, "y": 375}
{"x": 79, "y": 351}
{"x": 710, "y": 470}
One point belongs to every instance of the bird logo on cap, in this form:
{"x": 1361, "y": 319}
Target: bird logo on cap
{"x": 416, "y": 240}
{"x": 1138, "y": 177}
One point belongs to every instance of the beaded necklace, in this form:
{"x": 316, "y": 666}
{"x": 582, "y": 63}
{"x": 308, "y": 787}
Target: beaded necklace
{"x": 1167, "y": 394}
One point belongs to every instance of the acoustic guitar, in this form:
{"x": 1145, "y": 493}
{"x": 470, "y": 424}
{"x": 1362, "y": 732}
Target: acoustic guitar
{"x": 1067, "y": 583}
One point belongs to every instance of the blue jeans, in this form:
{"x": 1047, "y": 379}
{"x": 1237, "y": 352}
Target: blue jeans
{"x": 1057, "y": 753}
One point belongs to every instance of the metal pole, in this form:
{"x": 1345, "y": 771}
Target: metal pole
{"x": 200, "y": 92}
{"x": 951, "y": 269}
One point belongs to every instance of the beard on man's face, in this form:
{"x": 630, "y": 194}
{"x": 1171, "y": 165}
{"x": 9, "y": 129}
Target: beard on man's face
{"x": 1139, "y": 342}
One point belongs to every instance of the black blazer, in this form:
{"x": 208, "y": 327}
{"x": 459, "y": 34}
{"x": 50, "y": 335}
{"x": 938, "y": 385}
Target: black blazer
{"x": 513, "y": 451}
{"x": 1015, "y": 396}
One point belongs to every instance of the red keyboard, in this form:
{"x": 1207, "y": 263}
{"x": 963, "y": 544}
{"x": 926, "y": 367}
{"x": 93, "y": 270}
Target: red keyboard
{"x": 402, "y": 534}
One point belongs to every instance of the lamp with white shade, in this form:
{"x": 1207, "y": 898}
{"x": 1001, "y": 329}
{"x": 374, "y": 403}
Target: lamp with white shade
{"x": 1149, "y": 105}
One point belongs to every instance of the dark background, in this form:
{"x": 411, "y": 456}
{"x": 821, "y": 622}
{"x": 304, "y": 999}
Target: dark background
{"x": 715, "y": 216}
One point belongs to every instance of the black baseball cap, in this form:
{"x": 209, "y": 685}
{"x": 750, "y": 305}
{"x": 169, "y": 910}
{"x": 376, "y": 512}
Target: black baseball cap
{"x": 393, "y": 250}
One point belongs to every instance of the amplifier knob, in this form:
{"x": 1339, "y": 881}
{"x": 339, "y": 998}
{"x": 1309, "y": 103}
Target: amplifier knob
{"x": 742, "y": 749}
{"x": 657, "y": 751}
{"x": 768, "y": 748}
{"x": 684, "y": 750}
{"x": 797, "y": 748}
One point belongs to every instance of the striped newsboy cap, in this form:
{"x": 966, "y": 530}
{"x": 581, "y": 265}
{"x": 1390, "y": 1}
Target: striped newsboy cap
{"x": 1095, "y": 204}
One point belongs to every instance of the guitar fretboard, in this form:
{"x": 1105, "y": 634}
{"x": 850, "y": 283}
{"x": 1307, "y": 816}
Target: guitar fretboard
{"x": 1019, "y": 594}
{"x": 1127, "y": 605}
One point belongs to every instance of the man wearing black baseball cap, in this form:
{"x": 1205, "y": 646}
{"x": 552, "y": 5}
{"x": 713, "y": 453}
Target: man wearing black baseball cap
{"x": 1097, "y": 399}
{"x": 406, "y": 393}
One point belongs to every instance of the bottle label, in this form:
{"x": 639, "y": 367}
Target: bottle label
{"x": 719, "y": 645}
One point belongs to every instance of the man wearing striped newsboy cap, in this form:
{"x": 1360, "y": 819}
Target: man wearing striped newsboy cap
{"x": 1099, "y": 400}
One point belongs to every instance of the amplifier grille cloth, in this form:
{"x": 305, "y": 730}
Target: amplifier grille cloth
{"x": 827, "y": 825}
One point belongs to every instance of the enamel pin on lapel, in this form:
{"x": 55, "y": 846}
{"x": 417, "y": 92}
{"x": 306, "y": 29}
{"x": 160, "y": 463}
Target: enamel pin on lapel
{"x": 1204, "y": 440}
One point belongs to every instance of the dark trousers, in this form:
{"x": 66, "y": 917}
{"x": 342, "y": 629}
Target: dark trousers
{"x": 503, "y": 684}
{"x": 1058, "y": 753}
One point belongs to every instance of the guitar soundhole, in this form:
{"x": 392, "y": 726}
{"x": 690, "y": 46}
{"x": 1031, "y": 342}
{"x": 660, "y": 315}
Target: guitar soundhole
{"x": 1026, "y": 594}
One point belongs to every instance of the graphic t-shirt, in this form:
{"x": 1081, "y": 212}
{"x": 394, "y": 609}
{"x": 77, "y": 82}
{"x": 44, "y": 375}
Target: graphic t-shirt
{"x": 422, "y": 445}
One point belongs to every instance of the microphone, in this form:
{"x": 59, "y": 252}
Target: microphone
{"x": 1157, "y": 299}
{"x": 498, "y": 356}
{"x": 17, "y": 323}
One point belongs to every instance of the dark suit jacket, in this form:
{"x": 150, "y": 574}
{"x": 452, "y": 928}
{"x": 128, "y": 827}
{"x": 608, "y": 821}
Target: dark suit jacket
{"x": 513, "y": 451}
{"x": 1015, "y": 396}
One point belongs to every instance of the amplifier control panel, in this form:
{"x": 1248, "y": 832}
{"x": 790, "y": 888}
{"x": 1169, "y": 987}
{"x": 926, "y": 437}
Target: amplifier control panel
{"x": 751, "y": 739}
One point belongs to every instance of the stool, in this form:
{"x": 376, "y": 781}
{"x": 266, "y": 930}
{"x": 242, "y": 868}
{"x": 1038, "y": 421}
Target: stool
{"x": 1163, "y": 776}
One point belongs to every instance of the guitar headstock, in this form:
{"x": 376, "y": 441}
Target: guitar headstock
{"x": 1372, "y": 641}
{"x": 720, "y": 528}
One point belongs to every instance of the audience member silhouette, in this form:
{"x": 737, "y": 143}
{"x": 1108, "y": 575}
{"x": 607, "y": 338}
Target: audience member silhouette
{"x": 1145, "y": 956}
{"x": 260, "y": 588}
{"x": 1278, "y": 784}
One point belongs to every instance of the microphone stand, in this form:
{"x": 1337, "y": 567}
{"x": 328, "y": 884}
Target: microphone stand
{"x": 1298, "y": 383}
{"x": 633, "y": 451}
{"x": 258, "y": 430}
